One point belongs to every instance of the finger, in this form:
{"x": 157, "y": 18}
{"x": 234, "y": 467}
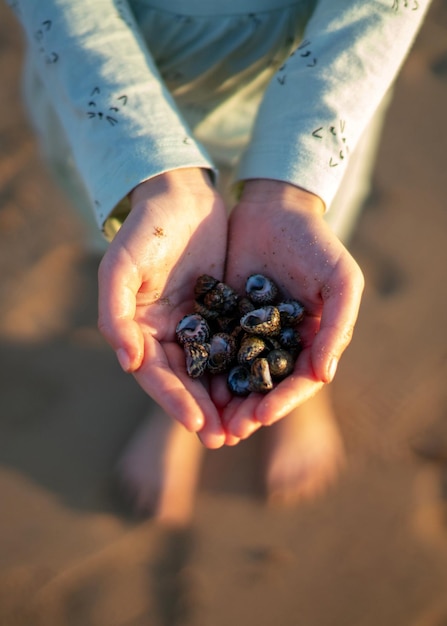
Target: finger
{"x": 157, "y": 378}
{"x": 243, "y": 426}
{"x": 238, "y": 417}
{"x": 231, "y": 440}
{"x": 222, "y": 397}
{"x": 300, "y": 386}
{"x": 212, "y": 433}
{"x": 341, "y": 303}
{"x": 219, "y": 391}
{"x": 118, "y": 285}
{"x": 163, "y": 376}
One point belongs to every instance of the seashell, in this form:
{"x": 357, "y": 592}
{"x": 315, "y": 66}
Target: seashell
{"x": 221, "y": 298}
{"x": 260, "y": 289}
{"x": 224, "y": 327}
{"x": 196, "y": 356}
{"x": 290, "y": 339}
{"x": 245, "y": 305}
{"x": 192, "y": 328}
{"x": 204, "y": 312}
{"x": 227, "y": 324}
{"x": 204, "y": 283}
{"x": 238, "y": 380}
{"x": 272, "y": 343}
{"x": 291, "y": 312}
{"x": 237, "y": 332}
{"x": 222, "y": 351}
{"x": 280, "y": 362}
{"x": 260, "y": 379}
{"x": 251, "y": 346}
{"x": 263, "y": 321}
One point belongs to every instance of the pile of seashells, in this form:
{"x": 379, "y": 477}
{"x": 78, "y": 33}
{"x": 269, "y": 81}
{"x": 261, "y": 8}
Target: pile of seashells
{"x": 253, "y": 337}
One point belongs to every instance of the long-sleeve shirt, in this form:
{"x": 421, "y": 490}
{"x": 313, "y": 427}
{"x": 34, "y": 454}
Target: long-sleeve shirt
{"x": 145, "y": 86}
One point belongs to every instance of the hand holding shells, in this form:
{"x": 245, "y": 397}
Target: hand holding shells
{"x": 279, "y": 228}
{"x": 176, "y": 230}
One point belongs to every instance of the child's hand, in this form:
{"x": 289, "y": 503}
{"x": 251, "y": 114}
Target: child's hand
{"x": 176, "y": 230}
{"x": 278, "y": 229}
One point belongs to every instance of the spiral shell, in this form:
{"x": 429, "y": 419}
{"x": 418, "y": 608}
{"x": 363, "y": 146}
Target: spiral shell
{"x": 221, "y": 298}
{"x": 222, "y": 352}
{"x": 260, "y": 289}
{"x": 245, "y": 305}
{"x": 204, "y": 283}
{"x": 263, "y": 321}
{"x": 251, "y": 346}
{"x": 228, "y": 324}
{"x": 280, "y": 362}
{"x": 238, "y": 380}
{"x": 196, "y": 357}
{"x": 290, "y": 339}
{"x": 260, "y": 377}
{"x": 291, "y": 312}
{"x": 204, "y": 312}
{"x": 192, "y": 328}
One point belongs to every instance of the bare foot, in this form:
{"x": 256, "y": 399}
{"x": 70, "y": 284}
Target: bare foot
{"x": 304, "y": 452}
{"x": 159, "y": 469}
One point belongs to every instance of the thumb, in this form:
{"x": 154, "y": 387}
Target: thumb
{"x": 340, "y": 311}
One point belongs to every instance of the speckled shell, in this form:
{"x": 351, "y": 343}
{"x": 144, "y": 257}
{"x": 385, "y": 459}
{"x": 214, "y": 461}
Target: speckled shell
{"x": 196, "y": 356}
{"x": 290, "y": 339}
{"x": 222, "y": 352}
{"x": 260, "y": 289}
{"x": 251, "y": 346}
{"x": 280, "y": 362}
{"x": 238, "y": 380}
{"x": 227, "y": 324}
{"x": 262, "y": 321}
{"x": 204, "y": 312}
{"x": 260, "y": 378}
{"x": 272, "y": 343}
{"x": 291, "y": 312}
{"x": 258, "y": 331}
{"x": 204, "y": 283}
{"x": 192, "y": 328}
{"x": 221, "y": 298}
{"x": 245, "y": 305}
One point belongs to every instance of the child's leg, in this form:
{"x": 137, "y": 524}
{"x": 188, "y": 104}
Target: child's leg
{"x": 304, "y": 452}
{"x": 159, "y": 469}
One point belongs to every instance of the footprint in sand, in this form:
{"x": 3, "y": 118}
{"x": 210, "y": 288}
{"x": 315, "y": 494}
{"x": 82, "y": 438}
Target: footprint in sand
{"x": 439, "y": 66}
{"x": 431, "y": 485}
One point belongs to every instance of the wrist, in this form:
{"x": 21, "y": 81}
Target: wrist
{"x": 189, "y": 178}
{"x": 264, "y": 190}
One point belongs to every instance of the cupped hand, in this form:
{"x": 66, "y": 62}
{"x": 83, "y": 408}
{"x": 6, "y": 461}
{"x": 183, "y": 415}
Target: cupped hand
{"x": 279, "y": 230}
{"x": 176, "y": 230}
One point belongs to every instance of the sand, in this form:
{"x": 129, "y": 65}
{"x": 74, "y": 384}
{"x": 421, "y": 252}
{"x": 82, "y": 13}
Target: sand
{"x": 370, "y": 552}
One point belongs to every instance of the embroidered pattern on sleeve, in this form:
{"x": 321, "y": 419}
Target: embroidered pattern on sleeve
{"x": 336, "y": 134}
{"x": 305, "y": 51}
{"x": 41, "y": 36}
{"x": 102, "y": 107}
{"x": 412, "y": 5}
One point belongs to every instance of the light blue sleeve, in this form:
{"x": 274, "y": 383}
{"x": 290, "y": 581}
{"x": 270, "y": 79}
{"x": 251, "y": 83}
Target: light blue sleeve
{"x": 119, "y": 118}
{"x": 322, "y": 98}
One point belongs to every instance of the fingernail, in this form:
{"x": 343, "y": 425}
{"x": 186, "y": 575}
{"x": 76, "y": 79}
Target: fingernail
{"x": 123, "y": 359}
{"x": 332, "y": 368}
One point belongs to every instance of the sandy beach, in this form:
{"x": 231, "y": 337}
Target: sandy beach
{"x": 372, "y": 551}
